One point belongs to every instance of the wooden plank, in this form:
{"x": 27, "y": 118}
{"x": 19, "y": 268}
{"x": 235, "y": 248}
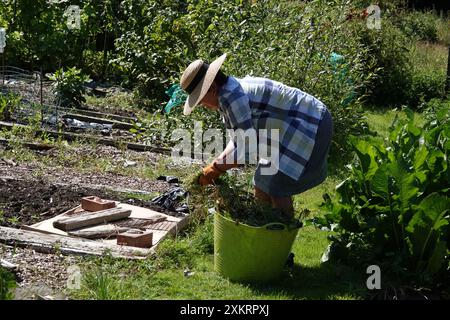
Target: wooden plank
{"x": 32, "y": 146}
{"x": 51, "y": 243}
{"x": 140, "y": 223}
{"x": 169, "y": 228}
{"x": 99, "y": 232}
{"x": 35, "y": 229}
{"x": 99, "y": 115}
{"x": 90, "y": 219}
{"x": 116, "y": 124}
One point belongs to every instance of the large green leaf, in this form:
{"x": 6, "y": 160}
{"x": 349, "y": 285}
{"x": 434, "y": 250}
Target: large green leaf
{"x": 380, "y": 183}
{"x": 367, "y": 157}
{"x": 344, "y": 191}
{"x": 405, "y": 185}
{"x": 420, "y": 157}
{"x": 426, "y": 230}
{"x": 436, "y": 161}
{"x": 437, "y": 258}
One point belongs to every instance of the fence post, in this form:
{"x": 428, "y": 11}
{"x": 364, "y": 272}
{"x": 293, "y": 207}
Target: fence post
{"x": 447, "y": 88}
{"x": 3, "y": 70}
{"x": 41, "y": 75}
{"x": 2, "y": 51}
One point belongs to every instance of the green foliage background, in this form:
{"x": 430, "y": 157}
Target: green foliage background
{"x": 146, "y": 44}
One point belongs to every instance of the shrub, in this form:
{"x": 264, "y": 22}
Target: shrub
{"x": 394, "y": 72}
{"x": 425, "y": 86}
{"x": 420, "y": 25}
{"x": 407, "y": 72}
{"x": 69, "y": 87}
{"x": 152, "y": 47}
{"x": 394, "y": 208}
{"x": 38, "y": 35}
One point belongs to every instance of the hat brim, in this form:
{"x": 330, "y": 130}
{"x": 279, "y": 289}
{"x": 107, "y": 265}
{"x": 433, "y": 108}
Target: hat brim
{"x": 202, "y": 88}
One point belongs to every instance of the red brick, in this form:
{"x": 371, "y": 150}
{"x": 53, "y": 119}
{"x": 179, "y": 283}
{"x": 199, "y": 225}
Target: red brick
{"x": 93, "y": 203}
{"x": 135, "y": 238}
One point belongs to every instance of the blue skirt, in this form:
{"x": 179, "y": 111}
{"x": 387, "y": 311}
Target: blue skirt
{"x": 281, "y": 185}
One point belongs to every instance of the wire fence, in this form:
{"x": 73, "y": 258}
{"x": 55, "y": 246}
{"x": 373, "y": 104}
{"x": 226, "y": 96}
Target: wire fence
{"x": 36, "y": 93}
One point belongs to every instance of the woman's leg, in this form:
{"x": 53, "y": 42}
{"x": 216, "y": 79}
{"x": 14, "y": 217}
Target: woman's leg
{"x": 283, "y": 203}
{"x": 262, "y": 196}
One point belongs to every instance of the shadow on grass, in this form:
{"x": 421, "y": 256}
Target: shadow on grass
{"x": 325, "y": 281}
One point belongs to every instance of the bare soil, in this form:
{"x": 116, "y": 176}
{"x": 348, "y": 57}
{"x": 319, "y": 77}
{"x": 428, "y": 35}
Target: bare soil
{"x": 25, "y": 202}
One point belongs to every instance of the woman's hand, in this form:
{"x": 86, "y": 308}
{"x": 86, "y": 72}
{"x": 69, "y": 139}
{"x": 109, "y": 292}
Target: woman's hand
{"x": 210, "y": 173}
{"x": 218, "y": 167}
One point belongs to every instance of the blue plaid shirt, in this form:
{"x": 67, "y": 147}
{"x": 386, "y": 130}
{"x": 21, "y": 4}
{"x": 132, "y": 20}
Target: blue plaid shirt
{"x": 258, "y": 103}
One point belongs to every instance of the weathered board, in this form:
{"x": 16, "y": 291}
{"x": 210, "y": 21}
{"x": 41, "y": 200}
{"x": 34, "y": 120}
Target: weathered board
{"x": 139, "y": 223}
{"x": 99, "y": 232}
{"x": 90, "y": 219}
{"x": 116, "y": 124}
{"x": 51, "y": 243}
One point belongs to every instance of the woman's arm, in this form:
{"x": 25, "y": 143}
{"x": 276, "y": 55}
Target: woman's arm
{"x": 225, "y": 160}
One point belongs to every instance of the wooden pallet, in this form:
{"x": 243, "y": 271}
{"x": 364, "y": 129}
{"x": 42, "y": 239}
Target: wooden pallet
{"x": 54, "y": 243}
{"x": 160, "y": 224}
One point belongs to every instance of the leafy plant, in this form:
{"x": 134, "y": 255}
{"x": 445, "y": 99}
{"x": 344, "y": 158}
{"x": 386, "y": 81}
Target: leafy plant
{"x": 7, "y": 284}
{"x": 393, "y": 69}
{"x": 394, "y": 208}
{"x": 69, "y": 87}
{"x": 233, "y": 198}
{"x": 8, "y": 103}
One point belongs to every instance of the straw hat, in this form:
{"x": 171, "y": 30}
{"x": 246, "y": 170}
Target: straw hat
{"x": 197, "y": 79}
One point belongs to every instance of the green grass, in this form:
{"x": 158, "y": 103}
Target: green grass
{"x": 443, "y": 30}
{"x": 380, "y": 120}
{"x": 162, "y": 277}
{"x": 312, "y": 198}
{"x": 431, "y": 57}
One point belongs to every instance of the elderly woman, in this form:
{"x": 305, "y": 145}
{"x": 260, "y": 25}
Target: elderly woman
{"x": 303, "y": 122}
